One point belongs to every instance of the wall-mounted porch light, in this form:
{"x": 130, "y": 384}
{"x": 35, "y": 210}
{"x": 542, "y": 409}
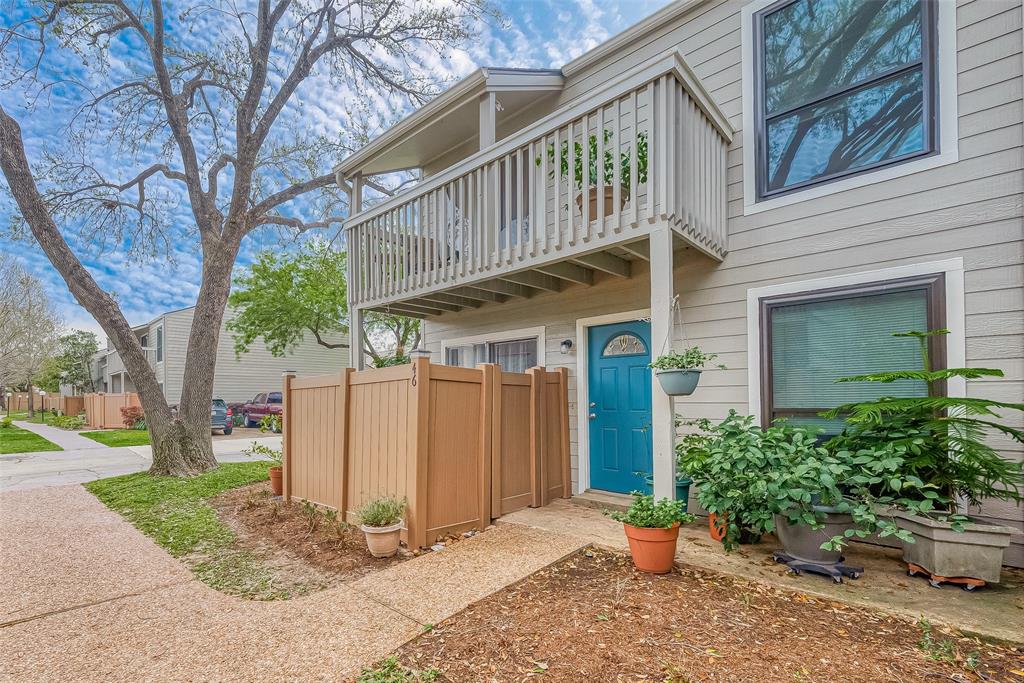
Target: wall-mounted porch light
{"x": 565, "y": 346}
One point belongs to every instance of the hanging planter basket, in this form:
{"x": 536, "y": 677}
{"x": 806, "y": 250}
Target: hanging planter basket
{"x": 678, "y": 382}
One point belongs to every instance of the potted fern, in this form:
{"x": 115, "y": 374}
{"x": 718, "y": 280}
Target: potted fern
{"x": 678, "y": 373}
{"x": 381, "y": 521}
{"x": 652, "y": 529}
{"x": 940, "y": 442}
{"x": 607, "y": 173}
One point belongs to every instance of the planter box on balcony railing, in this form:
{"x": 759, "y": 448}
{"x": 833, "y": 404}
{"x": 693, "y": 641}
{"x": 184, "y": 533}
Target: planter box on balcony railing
{"x": 462, "y": 445}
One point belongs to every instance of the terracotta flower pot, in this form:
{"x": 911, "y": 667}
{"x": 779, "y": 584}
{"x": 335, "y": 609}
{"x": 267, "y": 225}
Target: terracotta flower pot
{"x": 717, "y": 532}
{"x": 653, "y": 550}
{"x": 383, "y": 541}
{"x": 609, "y": 201}
{"x": 276, "y": 484}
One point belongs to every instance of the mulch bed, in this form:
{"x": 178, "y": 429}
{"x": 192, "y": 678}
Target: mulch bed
{"x": 592, "y": 617}
{"x": 298, "y": 539}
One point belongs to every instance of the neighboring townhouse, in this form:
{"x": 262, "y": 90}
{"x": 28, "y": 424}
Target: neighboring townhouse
{"x": 237, "y": 378}
{"x": 803, "y": 177}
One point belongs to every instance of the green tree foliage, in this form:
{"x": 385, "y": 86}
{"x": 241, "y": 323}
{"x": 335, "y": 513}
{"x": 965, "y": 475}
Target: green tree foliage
{"x": 284, "y": 296}
{"x": 71, "y": 364}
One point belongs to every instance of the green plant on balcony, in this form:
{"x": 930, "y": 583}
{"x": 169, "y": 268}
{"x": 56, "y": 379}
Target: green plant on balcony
{"x": 608, "y": 167}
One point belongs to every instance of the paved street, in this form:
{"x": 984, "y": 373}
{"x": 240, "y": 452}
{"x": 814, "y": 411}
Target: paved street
{"x": 96, "y": 461}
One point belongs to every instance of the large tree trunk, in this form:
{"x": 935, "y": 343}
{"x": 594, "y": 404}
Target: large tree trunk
{"x": 181, "y": 446}
{"x": 201, "y": 359}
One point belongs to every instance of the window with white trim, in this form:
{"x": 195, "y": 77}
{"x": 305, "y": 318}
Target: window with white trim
{"x": 811, "y": 339}
{"x": 842, "y": 87}
{"x": 516, "y": 355}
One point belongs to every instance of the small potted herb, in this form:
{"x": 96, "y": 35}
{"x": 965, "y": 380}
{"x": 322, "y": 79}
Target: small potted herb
{"x": 678, "y": 373}
{"x": 381, "y": 521}
{"x": 652, "y": 529}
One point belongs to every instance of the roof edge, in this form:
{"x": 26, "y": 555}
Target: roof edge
{"x": 666, "y": 14}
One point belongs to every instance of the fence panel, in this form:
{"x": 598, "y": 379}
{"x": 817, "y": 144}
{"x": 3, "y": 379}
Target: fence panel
{"x": 513, "y": 488}
{"x": 381, "y": 442}
{"x": 103, "y": 411}
{"x": 312, "y": 408}
{"x": 462, "y": 445}
{"x": 454, "y": 462}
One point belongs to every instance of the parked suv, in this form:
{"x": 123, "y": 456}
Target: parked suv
{"x": 220, "y": 416}
{"x": 261, "y": 406}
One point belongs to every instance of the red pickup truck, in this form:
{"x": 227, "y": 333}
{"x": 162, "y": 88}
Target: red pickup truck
{"x": 261, "y": 406}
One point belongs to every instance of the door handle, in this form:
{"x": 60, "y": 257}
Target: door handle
{"x": 592, "y": 415}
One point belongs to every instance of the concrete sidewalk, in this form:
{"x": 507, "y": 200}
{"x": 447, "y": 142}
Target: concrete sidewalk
{"x": 57, "y": 468}
{"x": 65, "y": 438}
{"x": 84, "y": 596}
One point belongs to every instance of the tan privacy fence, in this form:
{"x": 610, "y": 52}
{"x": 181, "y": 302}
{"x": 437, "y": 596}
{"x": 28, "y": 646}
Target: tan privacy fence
{"x": 103, "y": 411}
{"x": 65, "y": 405}
{"x": 462, "y": 445}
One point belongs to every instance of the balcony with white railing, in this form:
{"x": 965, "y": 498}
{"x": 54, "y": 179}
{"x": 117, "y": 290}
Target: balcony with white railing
{"x": 559, "y": 199}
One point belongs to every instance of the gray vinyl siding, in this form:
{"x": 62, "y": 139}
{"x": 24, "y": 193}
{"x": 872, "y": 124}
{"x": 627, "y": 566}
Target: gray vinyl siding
{"x": 241, "y": 378}
{"x": 235, "y": 379}
{"x": 970, "y": 209}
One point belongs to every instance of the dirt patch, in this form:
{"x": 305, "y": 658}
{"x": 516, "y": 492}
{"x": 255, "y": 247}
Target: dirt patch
{"x": 593, "y": 617}
{"x": 304, "y": 547}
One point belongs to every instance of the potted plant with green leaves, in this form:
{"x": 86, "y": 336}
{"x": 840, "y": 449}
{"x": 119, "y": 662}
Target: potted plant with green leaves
{"x": 274, "y": 455}
{"x": 678, "y": 373}
{"x": 942, "y": 442}
{"x": 780, "y": 478}
{"x": 607, "y": 173}
{"x": 652, "y": 529}
{"x": 381, "y": 520}
{"x": 276, "y": 458}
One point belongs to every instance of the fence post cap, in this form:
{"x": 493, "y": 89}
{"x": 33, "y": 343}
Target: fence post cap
{"x": 285, "y": 373}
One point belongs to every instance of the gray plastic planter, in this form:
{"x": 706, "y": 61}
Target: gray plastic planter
{"x": 678, "y": 382}
{"x": 975, "y": 553}
{"x": 802, "y": 542}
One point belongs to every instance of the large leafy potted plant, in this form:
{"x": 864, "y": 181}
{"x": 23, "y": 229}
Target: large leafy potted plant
{"x": 652, "y": 529}
{"x": 779, "y": 478}
{"x": 941, "y": 441}
{"x": 678, "y": 373}
{"x": 607, "y": 173}
{"x": 381, "y": 521}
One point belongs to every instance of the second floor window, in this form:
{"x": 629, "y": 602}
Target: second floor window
{"x": 159, "y": 344}
{"x": 842, "y": 87}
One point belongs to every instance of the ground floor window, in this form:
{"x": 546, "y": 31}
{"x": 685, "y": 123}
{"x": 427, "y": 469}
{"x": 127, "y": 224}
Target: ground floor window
{"x": 810, "y": 339}
{"x": 516, "y": 355}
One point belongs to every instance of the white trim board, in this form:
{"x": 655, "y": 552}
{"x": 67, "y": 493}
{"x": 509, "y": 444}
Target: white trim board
{"x": 504, "y": 335}
{"x": 582, "y": 398}
{"x": 947, "y": 119}
{"x": 956, "y": 341}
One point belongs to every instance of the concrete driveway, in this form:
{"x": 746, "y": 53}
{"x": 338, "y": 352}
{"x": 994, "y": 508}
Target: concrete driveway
{"x": 79, "y": 465}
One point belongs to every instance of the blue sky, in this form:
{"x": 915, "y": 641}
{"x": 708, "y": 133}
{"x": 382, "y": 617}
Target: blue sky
{"x": 537, "y": 33}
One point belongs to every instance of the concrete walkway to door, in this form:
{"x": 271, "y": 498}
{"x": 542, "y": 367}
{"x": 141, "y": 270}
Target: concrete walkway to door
{"x": 65, "y": 438}
{"x": 84, "y": 596}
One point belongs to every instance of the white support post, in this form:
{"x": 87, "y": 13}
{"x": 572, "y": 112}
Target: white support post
{"x": 663, "y": 428}
{"x": 356, "y": 198}
{"x": 355, "y": 338}
{"x": 488, "y": 119}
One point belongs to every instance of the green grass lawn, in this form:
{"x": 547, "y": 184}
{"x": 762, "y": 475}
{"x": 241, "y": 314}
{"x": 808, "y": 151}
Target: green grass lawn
{"x": 23, "y": 416}
{"x": 174, "y": 512}
{"x": 120, "y": 437}
{"x": 17, "y": 440}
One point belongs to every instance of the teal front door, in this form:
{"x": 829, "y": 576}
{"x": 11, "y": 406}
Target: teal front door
{"x": 619, "y": 411}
